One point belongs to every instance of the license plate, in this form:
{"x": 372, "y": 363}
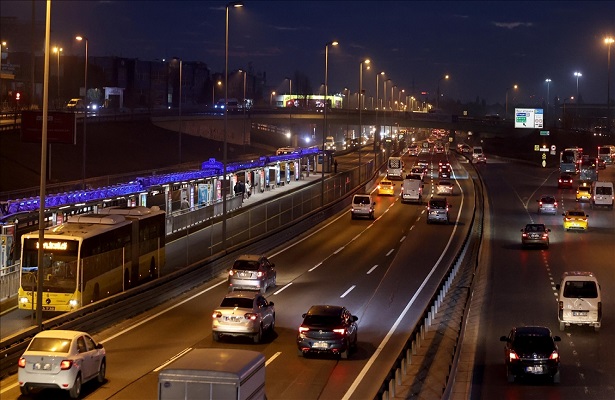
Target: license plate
{"x": 320, "y": 345}
{"x": 244, "y": 274}
{"x": 44, "y": 367}
{"x": 234, "y": 319}
{"x": 579, "y": 313}
{"x": 535, "y": 369}
{"x": 49, "y": 308}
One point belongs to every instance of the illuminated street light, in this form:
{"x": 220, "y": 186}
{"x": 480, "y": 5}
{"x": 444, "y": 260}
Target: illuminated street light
{"x": 548, "y": 84}
{"x": 608, "y": 41}
{"x": 325, "y": 128}
{"x": 233, "y": 4}
{"x": 2, "y": 44}
{"x": 506, "y": 108}
{"x": 85, "y": 102}
{"x": 58, "y": 50}
{"x": 438, "y": 98}
{"x": 180, "y": 108}
{"x": 399, "y": 97}
{"x": 377, "y": 131}
{"x": 213, "y": 94}
{"x": 366, "y": 62}
{"x": 271, "y": 99}
{"x": 578, "y": 75}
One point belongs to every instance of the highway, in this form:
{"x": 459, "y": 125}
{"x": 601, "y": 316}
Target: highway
{"x": 383, "y": 271}
{"x": 521, "y": 287}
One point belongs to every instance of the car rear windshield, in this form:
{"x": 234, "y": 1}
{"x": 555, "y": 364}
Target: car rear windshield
{"x": 51, "y": 345}
{"x": 581, "y": 289}
{"x": 361, "y": 200}
{"x": 549, "y": 200}
{"x": 437, "y": 204}
{"x": 322, "y": 320}
{"x": 576, "y": 213}
{"x": 604, "y": 190}
{"x": 531, "y": 343}
{"x": 240, "y": 302}
{"x": 246, "y": 265}
{"x": 535, "y": 228}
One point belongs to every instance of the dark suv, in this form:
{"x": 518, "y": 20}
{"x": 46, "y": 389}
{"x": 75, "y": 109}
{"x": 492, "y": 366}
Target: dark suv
{"x": 531, "y": 350}
{"x": 437, "y": 210}
{"x": 327, "y": 329}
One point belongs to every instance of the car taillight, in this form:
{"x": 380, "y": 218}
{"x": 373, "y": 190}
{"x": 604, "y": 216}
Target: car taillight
{"x": 544, "y": 235}
{"x": 524, "y": 235}
{"x": 560, "y": 181}
{"x": 555, "y": 204}
{"x": 216, "y": 314}
{"x": 251, "y": 316}
{"x": 568, "y": 219}
{"x": 378, "y": 186}
{"x": 231, "y": 273}
{"x": 260, "y": 274}
{"x": 554, "y": 356}
{"x": 303, "y": 329}
{"x": 341, "y": 331}
{"x": 66, "y": 364}
{"x": 21, "y": 363}
{"x": 512, "y": 356}
{"x": 540, "y": 203}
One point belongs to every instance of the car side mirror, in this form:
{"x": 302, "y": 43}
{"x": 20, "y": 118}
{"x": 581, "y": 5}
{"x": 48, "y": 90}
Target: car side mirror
{"x": 522, "y": 230}
{"x": 563, "y": 215}
{"x": 587, "y": 215}
{"x": 272, "y": 265}
{"x": 557, "y": 339}
{"x": 548, "y": 230}
{"x": 303, "y": 315}
{"x": 374, "y": 203}
{"x": 271, "y": 303}
{"x": 99, "y": 346}
{"x": 537, "y": 201}
{"x": 557, "y": 286}
{"x": 355, "y": 318}
{"x": 503, "y": 339}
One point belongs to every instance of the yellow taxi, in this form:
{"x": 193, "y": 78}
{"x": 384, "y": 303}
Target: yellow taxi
{"x": 385, "y": 187}
{"x": 584, "y": 192}
{"x": 575, "y": 219}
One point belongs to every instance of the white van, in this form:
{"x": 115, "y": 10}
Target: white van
{"x": 395, "y": 168}
{"x": 412, "y": 189}
{"x": 602, "y": 194}
{"x": 477, "y": 152}
{"x": 579, "y": 300}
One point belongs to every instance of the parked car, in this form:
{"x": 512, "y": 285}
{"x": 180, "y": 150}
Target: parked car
{"x": 252, "y": 272}
{"x": 535, "y": 234}
{"x": 531, "y": 351}
{"x": 327, "y": 329}
{"x": 243, "y": 313}
{"x": 61, "y": 359}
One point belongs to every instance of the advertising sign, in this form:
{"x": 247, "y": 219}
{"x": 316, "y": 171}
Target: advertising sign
{"x": 531, "y": 118}
{"x": 61, "y": 127}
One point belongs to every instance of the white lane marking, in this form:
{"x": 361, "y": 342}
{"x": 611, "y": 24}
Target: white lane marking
{"x": 389, "y": 334}
{"x": 282, "y": 288}
{"x": 412, "y": 227}
{"x": 372, "y": 269}
{"x": 340, "y": 249}
{"x": 356, "y": 237}
{"x": 390, "y": 251}
{"x": 161, "y": 312}
{"x": 348, "y": 291}
{"x": 170, "y": 360}
{"x": 402, "y": 239}
{"x": 315, "y": 266}
{"x": 273, "y": 357}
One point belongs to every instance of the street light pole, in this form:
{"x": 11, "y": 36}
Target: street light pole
{"x": 233, "y": 4}
{"x": 377, "y": 106}
{"x": 438, "y": 98}
{"x": 506, "y": 107}
{"x": 85, "y": 103}
{"x": 325, "y": 128}
{"x": 366, "y": 61}
{"x": 548, "y": 80}
{"x": 58, "y": 50}
{"x": 271, "y": 99}
{"x": 290, "y": 110}
{"x": 608, "y": 41}
{"x": 180, "y": 109}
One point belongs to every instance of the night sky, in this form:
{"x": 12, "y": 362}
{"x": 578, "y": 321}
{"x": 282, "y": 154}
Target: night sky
{"x": 485, "y": 47}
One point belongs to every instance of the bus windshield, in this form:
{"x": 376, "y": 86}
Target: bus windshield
{"x": 59, "y": 272}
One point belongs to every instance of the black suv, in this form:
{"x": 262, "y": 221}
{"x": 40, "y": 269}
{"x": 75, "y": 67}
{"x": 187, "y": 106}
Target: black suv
{"x": 531, "y": 350}
{"x": 327, "y": 329}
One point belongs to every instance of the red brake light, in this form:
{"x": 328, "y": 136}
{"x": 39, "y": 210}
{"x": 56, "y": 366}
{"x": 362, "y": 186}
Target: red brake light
{"x": 21, "y": 363}
{"x": 303, "y": 329}
{"x": 554, "y": 356}
{"x": 259, "y": 274}
{"x": 251, "y": 316}
{"x": 341, "y": 331}
{"x": 540, "y": 203}
{"x": 66, "y": 364}
{"x": 512, "y": 356}
{"x": 231, "y": 273}
{"x": 216, "y": 314}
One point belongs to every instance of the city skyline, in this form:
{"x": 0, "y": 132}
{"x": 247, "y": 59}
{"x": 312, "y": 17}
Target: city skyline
{"x": 486, "y": 48}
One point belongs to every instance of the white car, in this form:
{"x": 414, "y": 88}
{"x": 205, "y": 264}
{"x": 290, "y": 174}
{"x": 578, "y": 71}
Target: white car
{"x": 243, "y": 313}
{"x": 444, "y": 187}
{"x": 61, "y": 359}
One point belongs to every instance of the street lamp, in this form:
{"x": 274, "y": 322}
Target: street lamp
{"x": 2, "y": 44}
{"x": 232, "y": 4}
{"x": 564, "y": 112}
{"x": 58, "y": 50}
{"x": 506, "y": 107}
{"x": 548, "y": 80}
{"x": 438, "y": 98}
{"x": 399, "y": 97}
{"x": 271, "y": 99}
{"x": 392, "y": 95}
{"x": 290, "y": 110}
{"x": 324, "y": 131}
{"x": 366, "y": 62}
{"x": 213, "y": 94}
{"x": 608, "y": 41}
{"x": 180, "y": 108}
{"x": 245, "y": 74}
{"x": 578, "y": 75}
{"x": 85, "y": 102}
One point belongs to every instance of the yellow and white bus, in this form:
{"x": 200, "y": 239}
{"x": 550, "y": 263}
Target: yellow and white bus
{"x": 92, "y": 256}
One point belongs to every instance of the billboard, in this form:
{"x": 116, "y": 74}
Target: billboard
{"x": 531, "y": 118}
{"x": 61, "y": 127}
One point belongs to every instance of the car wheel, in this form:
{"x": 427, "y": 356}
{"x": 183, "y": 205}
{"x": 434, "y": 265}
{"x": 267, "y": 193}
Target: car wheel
{"x": 556, "y": 377}
{"x": 300, "y": 353}
{"x": 216, "y": 336}
{"x": 259, "y": 335}
{"x": 344, "y": 354}
{"x": 509, "y": 376}
{"x": 596, "y": 329}
{"x": 24, "y": 390}
{"x": 562, "y": 326}
{"x": 102, "y": 371}
{"x": 75, "y": 391}
{"x": 263, "y": 288}
{"x": 272, "y": 326}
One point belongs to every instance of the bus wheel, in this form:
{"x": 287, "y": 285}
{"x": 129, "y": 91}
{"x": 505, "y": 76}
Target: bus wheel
{"x": 152, "y": 268}
{"x": 96, "y": 295}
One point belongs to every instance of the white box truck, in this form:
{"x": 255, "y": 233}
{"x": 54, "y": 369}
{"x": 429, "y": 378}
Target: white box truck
{"x": 201, "y": 374}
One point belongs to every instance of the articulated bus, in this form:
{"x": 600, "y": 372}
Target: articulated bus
{"x": 606, "y": 153}
{"x": 92, "y": 256}
{"x": 570, "y": 160}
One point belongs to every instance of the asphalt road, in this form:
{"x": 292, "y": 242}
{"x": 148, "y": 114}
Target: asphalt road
{"x": 521, "y": 289}
{"x": 383, "y": 271}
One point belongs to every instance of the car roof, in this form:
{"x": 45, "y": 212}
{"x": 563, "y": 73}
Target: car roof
{"x": 546, "y": 196}
{"x": 528, "y": 225}
{"x": 532, "y": 330}
{"x": 59, "y": 334}
{"x": 245, "y": 294}
{"x": 249, "y": 257}
{"x": 328, "y": 310}
{"x": 445, "y": 181}
{"x": 579, "y": 274}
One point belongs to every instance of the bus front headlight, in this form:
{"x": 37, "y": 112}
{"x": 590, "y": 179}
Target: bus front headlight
{"x": 23, "y": 300}
{"x": 73, "y": 302}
